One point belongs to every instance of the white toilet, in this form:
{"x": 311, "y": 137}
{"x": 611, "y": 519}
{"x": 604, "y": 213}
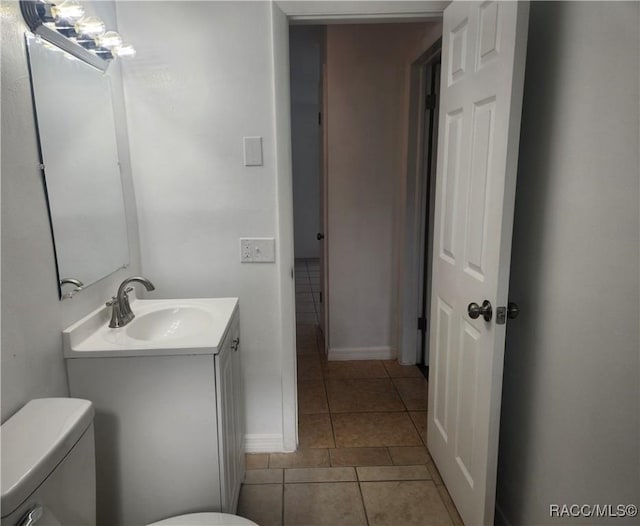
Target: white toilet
{"x": 48, "y": 469}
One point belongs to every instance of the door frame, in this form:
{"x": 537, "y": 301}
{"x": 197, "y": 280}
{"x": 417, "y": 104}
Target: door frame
{"x": 415, "y": 211}
{"x": 283, "y": 15}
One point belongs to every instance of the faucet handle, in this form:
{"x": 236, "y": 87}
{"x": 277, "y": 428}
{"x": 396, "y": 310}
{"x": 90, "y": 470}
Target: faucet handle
{"x": 111, "y": 302}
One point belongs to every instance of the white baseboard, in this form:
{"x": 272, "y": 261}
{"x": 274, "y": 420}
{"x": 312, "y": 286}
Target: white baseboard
{"x": 361, "y": 353}
{"x": 263, "y": 443}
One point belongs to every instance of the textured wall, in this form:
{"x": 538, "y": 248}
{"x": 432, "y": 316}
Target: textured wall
{"x": 569, "y": 428}
{"x": 190, "y": 101}
{"x": 367, "y": 117}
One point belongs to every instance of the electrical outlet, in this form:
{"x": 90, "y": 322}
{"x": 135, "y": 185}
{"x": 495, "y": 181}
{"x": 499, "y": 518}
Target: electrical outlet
{"x": 246, "y": 251}
{"x": 258, "y": 250}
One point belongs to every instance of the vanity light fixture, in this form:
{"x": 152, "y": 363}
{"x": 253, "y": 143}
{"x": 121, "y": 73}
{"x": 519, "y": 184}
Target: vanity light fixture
{"x": 66, "y": 26}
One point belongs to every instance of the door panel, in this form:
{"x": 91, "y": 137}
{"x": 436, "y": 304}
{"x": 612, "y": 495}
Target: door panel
{"x": 483, "y": 54}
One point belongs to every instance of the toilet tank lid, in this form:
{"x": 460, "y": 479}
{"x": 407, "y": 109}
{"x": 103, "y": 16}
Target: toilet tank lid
{"x": 35, "y": 440}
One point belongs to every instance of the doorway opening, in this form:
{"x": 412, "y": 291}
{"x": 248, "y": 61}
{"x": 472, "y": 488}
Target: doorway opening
{"x": 306, "y": 45}
{"x": 350, "y": 118}
{"x": 431, "y": 89}
{"x": 415, "y": 284}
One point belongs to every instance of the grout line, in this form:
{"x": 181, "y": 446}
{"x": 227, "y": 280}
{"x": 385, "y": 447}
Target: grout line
{"x": 364, "y": 507}
{"x": 401, "y": 399}
{"x": 282, "y": 507}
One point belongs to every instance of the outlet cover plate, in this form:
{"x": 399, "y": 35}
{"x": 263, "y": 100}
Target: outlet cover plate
{"x": 258, "y": 250}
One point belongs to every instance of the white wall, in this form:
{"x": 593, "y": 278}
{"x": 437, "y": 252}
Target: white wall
{"x": 570, "y": 409}
{"x": 202, "y": 79}
{"x": 368, "y": 87}
{"x": 306, "y": 70}
{"x": 32, "y": 315}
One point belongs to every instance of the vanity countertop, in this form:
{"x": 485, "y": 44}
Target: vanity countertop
{"x": 160, "y": 327}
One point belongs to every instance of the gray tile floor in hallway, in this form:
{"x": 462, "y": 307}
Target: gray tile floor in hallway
{"x": 362, "y": 458}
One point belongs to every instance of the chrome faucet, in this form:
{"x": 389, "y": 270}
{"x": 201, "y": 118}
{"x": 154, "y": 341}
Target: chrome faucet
{"x": 71, "y": 281}
{"x": 121, "y": 313}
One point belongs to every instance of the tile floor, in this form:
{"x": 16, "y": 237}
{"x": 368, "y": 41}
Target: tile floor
{"x": 362, "y": 458}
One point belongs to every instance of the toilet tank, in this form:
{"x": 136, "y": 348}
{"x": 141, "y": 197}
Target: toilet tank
{"x": 48, "y": 464}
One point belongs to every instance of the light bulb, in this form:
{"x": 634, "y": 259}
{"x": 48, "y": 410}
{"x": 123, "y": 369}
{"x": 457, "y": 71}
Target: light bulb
{"x": 69, "y": 10}
{"x": 109, "y": 40}
{"x": 125, "y": 50}
{"x": 90, "y": 26}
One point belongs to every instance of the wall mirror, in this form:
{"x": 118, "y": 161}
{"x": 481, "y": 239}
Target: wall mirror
{"x": 77, "y": 138}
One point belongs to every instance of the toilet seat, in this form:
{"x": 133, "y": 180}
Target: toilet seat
{"x": 205, "y": 519}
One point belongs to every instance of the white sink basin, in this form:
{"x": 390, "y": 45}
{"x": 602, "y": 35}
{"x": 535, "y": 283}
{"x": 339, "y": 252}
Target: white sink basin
{"x": 170, "y": 323}
{"x": 160, "y": 327}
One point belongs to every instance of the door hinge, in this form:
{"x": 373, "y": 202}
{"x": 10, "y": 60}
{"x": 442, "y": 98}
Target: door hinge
{"x": 320, "y": 295}
{"x": 319, "y": 118}
{"x": 422, "y": 324}
{"x": 430, "y": 101}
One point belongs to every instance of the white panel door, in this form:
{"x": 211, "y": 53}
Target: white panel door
{"x": 483, "y": 54}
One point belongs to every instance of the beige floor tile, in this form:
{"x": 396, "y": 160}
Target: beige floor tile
{"x": 305, "y": 317}
{"x": 360, "y": 456}
{"x": 307, "y": 341}
{"x": 356, "y": 369}
{"x": 420, "y": 421}
{"x": 435, "y": 474}
{"x": 303, "y": 458}
{"x": 264, "y": 476}
{"x": 303, "y": 296}
{"x": 330, "y": 504}
{"x": 413, "y": 392}
{"x": 320, "y": 475}
{"x": 256, "y": 460}
{"x": 262, "y": 504}
{"x": 310, "y": 349}
{"x": 374, "y": 429}
{"x": 408, "y": 456}
{"x": 315, "y": 431}
{"x": 395, "y": 370}
{"x": 451, "y": 507}
{"x": 363, "y": 394}
{"x": 309, "y": 329}
{"x": 406, "y": 503}
{"x": 312, "y": 397}
{"x": 309, "y": 366}
{"x": 374, "y": 473}
{"x": 305, "y": 307}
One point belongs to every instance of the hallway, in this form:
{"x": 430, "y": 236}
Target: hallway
{"x": 362, "y": 457}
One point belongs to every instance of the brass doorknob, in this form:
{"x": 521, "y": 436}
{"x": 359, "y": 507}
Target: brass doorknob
{"x": 474, "y": 310}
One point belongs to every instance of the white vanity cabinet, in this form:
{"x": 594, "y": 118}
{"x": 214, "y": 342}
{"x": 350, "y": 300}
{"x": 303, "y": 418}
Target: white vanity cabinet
{"x": 229, "y": 398}
{"x": 168, "y": 425}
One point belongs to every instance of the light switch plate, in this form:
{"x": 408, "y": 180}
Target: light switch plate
{"x": 252, "y": 151}
{"x": 258, "y": 250}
